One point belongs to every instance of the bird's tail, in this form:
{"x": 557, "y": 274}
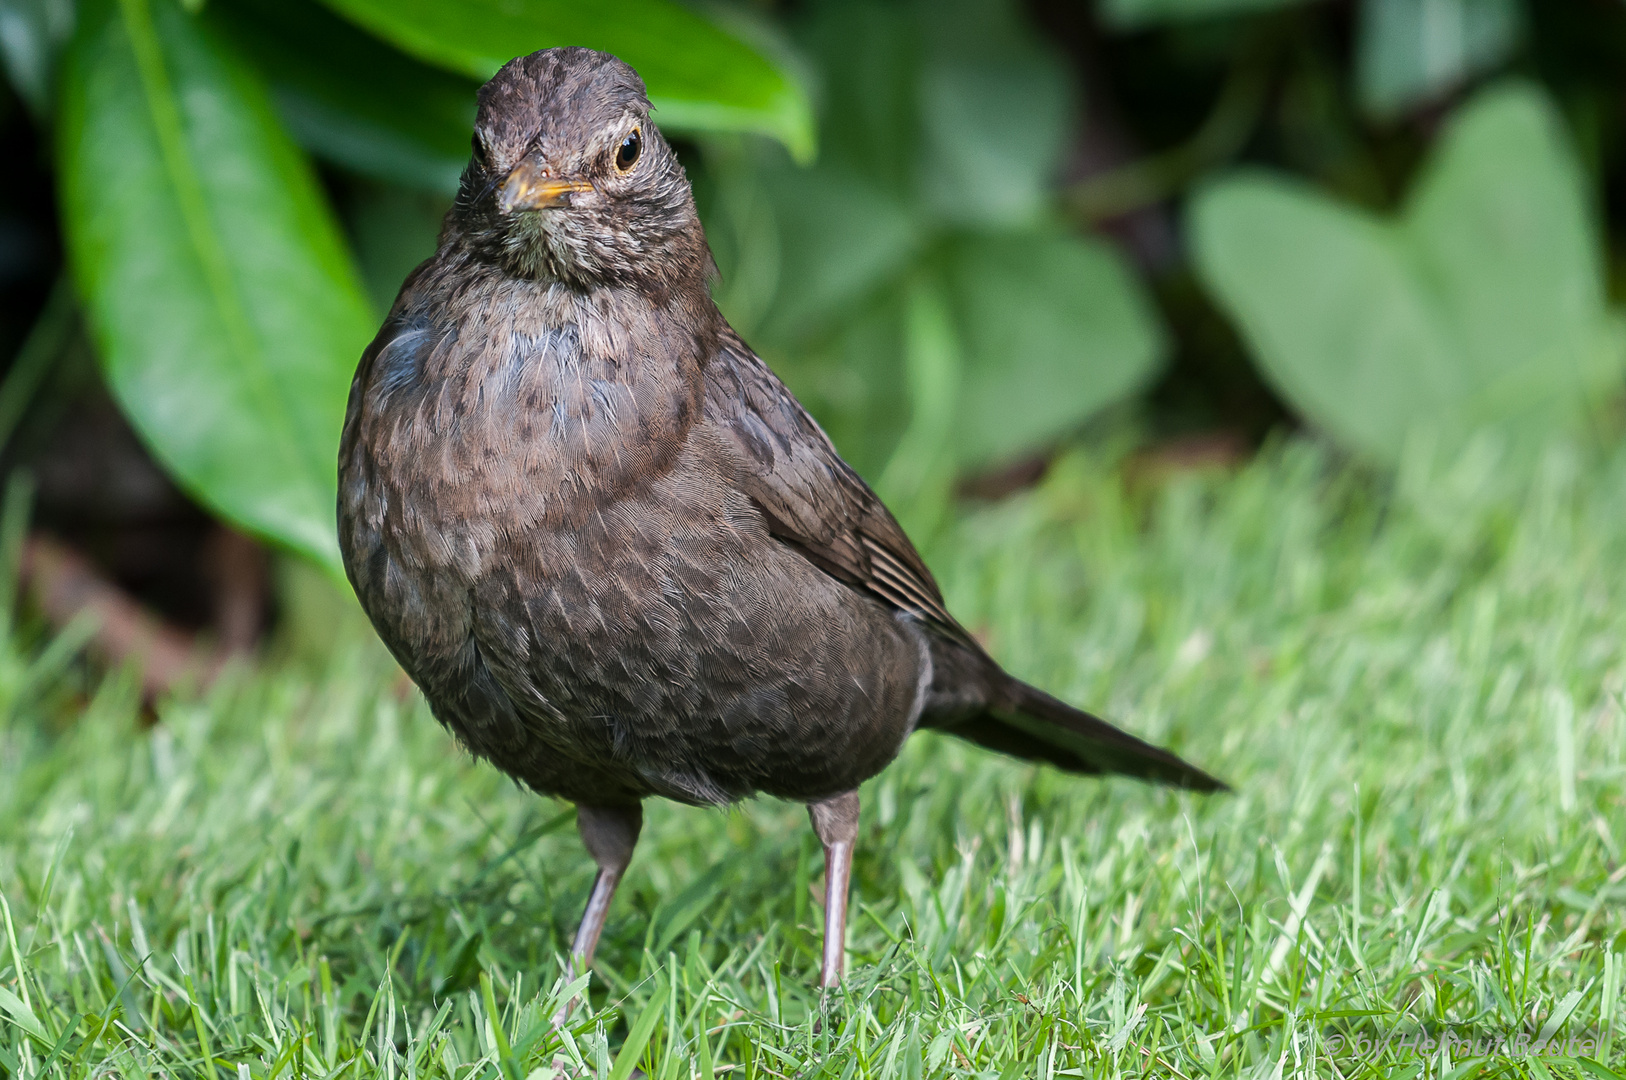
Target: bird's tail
{"x": 1029, "y": 723}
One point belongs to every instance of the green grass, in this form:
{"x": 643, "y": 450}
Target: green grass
{"x": 1415, "y": 685}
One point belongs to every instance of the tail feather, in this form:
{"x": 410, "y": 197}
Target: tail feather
{"x": 1031, "y": 724}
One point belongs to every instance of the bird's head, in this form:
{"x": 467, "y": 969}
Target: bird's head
{"x": 571, "y": 182}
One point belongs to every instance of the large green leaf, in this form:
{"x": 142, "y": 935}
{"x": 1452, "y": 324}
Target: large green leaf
{"x": 1053, "y": 329}
{"x": 223, "y": 301}
{"x": 1481, "y": 305}
{"x": 1412, "y": 51}
{"x": 349, "y": 98}
{"x": 700, "y": 77}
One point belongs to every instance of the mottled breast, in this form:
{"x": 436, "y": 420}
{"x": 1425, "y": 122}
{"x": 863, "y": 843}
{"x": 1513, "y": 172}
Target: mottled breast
{"x": 543, "y": 530}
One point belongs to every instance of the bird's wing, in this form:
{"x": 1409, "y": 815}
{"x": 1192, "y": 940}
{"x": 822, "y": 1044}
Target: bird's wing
{"x": 810, "y": 498}
{"x": 814, "y": 502}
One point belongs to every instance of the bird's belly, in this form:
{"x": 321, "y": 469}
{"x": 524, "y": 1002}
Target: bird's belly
{"x": 664, "y": 645}
{"x": 700, "y": 655}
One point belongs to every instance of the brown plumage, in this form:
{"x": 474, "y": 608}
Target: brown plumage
{"x": 615, "y": 553}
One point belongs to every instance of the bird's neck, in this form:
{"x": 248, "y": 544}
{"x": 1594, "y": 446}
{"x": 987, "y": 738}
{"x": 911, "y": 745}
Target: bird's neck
{"x": 669, "y": 265}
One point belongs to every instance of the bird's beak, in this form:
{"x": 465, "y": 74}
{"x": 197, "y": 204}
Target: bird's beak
{"x": 528, "y": 187}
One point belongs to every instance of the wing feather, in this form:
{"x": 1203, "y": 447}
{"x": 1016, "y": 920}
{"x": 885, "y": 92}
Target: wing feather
{"x": 812, "y": 500}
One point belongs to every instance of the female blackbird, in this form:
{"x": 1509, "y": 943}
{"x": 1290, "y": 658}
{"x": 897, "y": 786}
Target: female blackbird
{"x": 608, "y": 544}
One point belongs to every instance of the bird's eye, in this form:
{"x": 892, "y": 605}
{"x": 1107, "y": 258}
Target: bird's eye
{"x": 627, "y": 155}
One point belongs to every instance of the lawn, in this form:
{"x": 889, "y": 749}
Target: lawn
{"x": 1415, "y": 685}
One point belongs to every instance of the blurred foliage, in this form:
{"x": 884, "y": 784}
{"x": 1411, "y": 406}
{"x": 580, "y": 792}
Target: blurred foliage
{"x": 225, "y": 303}
{"x": 1410, "y": 52}
{"x": 700, "y": 77}
{"x": 1134, "y": 14}
{"x": 1482, "y": 305}
{"x": 227, "y": 310}
{"x": 956, "y": 228}
{"x": 406, "y": 123}
{"x": 916, "y": 284}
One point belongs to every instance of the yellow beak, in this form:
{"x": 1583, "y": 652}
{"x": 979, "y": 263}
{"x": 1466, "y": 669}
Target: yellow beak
{"x": 527, "y": 188}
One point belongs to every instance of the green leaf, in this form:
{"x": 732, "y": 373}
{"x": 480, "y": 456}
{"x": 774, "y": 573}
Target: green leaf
{"x": 868, "y": 62}
{"x": 994, "y": 108}
{"x": 223, "y": 301}
{"x": 1054, "y": 328}
{"x": 700, "y": 77}
{"x": 351, "y": 99}
{"x": 837, "y": 237}
{"x": 1045, "y": 329}
{"x": 23, "y": 1016}
{"x": 1135, "y": 14}
{"x": 854, "y": 382}
{"x": 1481, "y": 305}
{"x": 626, "y": 1058}
{"x": 1412, "y": 51}
{"x": 953, "y": 106}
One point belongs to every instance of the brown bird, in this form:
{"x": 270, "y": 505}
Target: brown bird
{"x": 615, "y": 553}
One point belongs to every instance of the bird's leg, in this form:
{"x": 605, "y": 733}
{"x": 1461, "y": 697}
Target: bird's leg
{"x": 835, "y": 820}
{"x": 609, "y": 833}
